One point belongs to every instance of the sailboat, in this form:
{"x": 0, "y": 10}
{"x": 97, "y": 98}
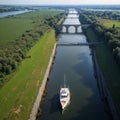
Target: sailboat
{"x": 64, "y": 96}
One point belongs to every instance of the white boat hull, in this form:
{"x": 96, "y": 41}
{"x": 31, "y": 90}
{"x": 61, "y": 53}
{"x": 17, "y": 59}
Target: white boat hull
{"x": 64, "y": 98}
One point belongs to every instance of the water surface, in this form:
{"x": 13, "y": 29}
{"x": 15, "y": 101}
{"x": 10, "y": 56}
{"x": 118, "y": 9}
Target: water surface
{"x": 5, "y": 14}
{"x": 77, "y": 65}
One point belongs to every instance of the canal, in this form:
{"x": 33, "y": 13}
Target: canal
{"x": 75, "y": 62}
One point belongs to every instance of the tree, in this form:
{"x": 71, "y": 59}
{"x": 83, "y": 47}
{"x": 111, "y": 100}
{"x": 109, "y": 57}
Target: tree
{"x": 108, "y": 36}
{"x": 0, "y": 67}
{"x": 14, "y": 65}
{"x": 113, "y": 26}
{"x": 116, "y": 53}
{"x": 7, "y": 69}
{"x": 99, "y": 30}
{"x": 113, "y": 43}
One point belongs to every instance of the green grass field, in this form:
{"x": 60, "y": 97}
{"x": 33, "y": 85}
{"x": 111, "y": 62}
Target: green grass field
{"x": 12, "y": 28}
{"x": 109, "y": 67}
{"x": 109, "y": 23}
{"x": 18, "y": 95}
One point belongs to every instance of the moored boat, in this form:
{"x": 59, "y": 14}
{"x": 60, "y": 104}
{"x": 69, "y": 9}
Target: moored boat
{"x": 64, "y": 97}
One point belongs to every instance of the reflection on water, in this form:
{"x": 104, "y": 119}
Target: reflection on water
{"x": 70, "y": 39}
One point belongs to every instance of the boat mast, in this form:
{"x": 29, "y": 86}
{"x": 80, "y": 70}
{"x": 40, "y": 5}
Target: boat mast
{"x": 64, "y": 81}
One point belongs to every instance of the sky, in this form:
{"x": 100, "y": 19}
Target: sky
{"x": 60, "y": 2}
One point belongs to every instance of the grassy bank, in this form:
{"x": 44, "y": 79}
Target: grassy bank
{"x": 18, "y": 95}
{"x": 21, "y": 32}
{"x": 109, "y": 67}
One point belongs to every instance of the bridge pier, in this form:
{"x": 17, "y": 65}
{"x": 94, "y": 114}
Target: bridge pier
{"x": 76, "y": 29}
{"x": 67, "y": 31}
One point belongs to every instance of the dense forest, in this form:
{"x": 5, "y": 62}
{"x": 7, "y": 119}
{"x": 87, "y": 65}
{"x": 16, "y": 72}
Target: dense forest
{"x": 12, "y": 54}
{"x": 109, "y": 35}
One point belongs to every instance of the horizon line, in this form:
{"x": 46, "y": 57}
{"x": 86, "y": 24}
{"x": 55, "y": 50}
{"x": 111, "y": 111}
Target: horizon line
{"x": 61, "y": 4}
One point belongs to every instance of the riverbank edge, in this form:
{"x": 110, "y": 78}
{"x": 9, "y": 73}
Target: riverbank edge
{"x": 104, "y": 92}
{"x": 43, "y": 85}
{"x": 101, "y": 82}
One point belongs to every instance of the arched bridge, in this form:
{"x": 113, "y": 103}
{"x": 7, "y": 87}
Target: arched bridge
{"x": 76, "y": 26}
{"x": 67, "y": 26}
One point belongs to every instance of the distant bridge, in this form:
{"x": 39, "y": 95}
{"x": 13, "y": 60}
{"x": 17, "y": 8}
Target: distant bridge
{"x": 67, "y": 26}
{"x": 76, "y": 13}
{"x": 71, "y": 17}
{"x": 80, "y": 44}
{"x": 76, "y": 26}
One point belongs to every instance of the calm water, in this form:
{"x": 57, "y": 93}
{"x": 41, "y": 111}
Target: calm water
{"x": 5, "y": 14}
{"x": 76, "y": 63}
{"x": 72, "y": 21}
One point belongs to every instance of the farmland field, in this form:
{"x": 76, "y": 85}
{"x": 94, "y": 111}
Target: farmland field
{"x": 10, "y": 28}
{"x": 109, "y": 23}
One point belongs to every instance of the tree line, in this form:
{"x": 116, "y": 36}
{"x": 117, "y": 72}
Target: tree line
{"x": 114, "y": 15}
{"x": 12, "y": 54}
{"x": 111, "y": 36}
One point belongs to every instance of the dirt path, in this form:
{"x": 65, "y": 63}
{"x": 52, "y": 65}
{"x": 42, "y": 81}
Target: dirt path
{"x": 42, "y": 87}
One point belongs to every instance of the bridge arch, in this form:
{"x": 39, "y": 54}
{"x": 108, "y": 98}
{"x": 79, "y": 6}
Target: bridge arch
{"x": 64, "y": 29}
{"x": 79, "y": 29}
{"x": 71, "y": 29}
